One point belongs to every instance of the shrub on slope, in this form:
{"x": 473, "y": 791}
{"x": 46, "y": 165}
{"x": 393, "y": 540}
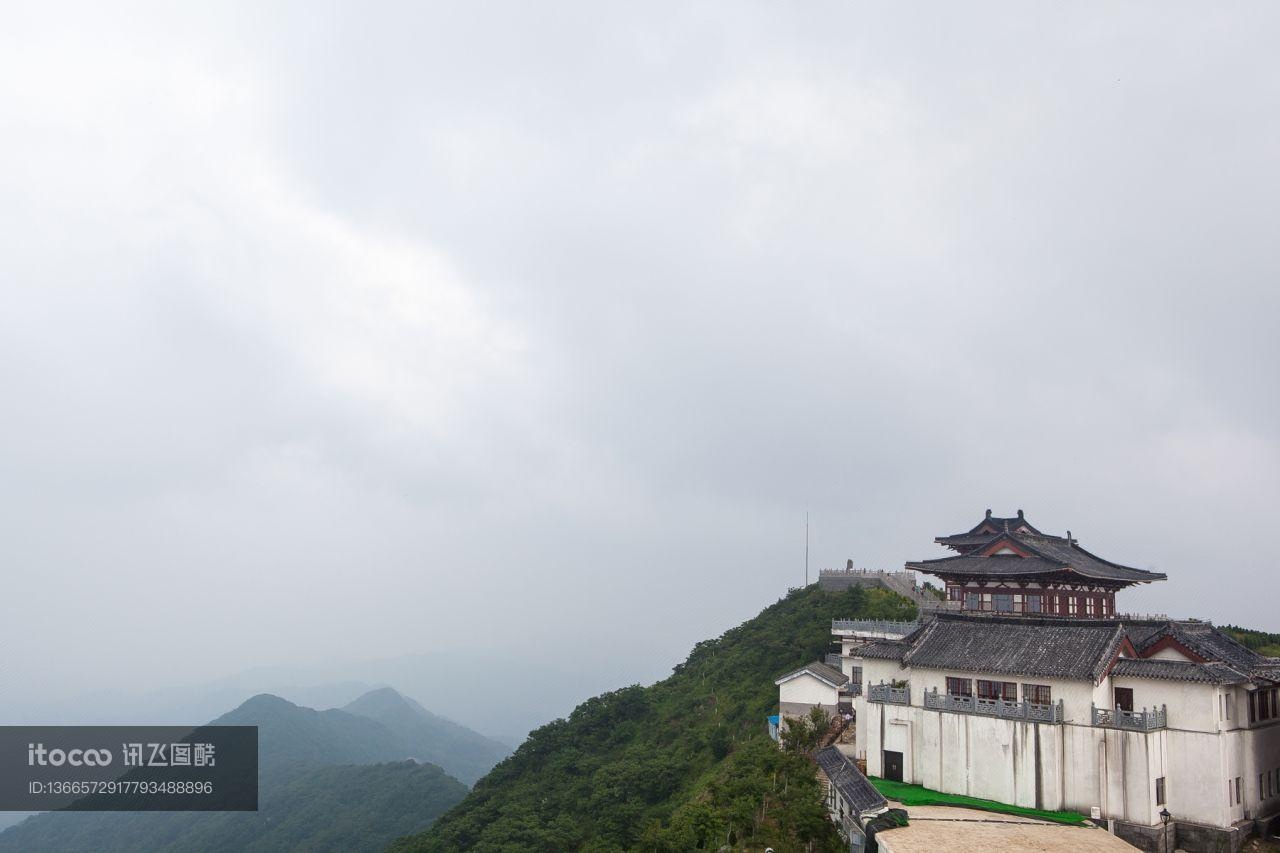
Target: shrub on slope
{"x": 629, "y": 765}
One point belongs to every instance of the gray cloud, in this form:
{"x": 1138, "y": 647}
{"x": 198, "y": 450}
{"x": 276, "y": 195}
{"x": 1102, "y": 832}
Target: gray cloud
{"x": 529, "y": 334}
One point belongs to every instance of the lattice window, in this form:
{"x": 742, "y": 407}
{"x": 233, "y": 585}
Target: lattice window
{"x": 1037, "y": 694}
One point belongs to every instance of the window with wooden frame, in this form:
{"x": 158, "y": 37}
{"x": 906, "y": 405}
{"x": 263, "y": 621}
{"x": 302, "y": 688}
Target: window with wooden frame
{"x": 1037, "y": 694}
{"x": 1006, "y": 690}
{"x": 1090, "y": 606}
{"x": 1033, "y": 604}
{"x": 971, "y": 601}
{"x": 1002, "y": 602}
{"x": 959, "y": 686}
{"x": 1160, "y": 791}
{"x": 1073, "y": 605}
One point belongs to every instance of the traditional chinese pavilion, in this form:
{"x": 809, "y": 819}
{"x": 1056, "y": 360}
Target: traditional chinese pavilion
{"x": 1006, "y": 565}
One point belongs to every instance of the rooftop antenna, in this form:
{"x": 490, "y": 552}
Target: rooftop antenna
{"x": 806, "y": 547}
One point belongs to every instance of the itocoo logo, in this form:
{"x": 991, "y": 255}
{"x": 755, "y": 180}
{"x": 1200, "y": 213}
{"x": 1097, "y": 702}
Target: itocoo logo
{"x": 38, "y": 755}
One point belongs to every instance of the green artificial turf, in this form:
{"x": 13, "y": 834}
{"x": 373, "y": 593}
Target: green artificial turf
{"x": 915, "y": 795}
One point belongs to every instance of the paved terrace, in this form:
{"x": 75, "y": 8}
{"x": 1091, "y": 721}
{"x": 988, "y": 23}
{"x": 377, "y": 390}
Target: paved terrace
{"x": 958, "y": 830}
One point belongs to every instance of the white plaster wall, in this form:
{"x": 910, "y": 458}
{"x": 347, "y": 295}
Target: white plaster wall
{"x": 1260, "y": 750}
{"x": 1169, "y": 654}
{"x": 874, "y": 671}
{"x": 1076, "y": 696}
{"x": 1196, "y": 782}
{"x": 1081, "y": 765}
{"x": 806, "y": 690}
{"x": 1191, "y": 706}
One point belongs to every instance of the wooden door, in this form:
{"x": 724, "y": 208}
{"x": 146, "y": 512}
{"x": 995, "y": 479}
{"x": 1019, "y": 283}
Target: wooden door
{"x": 893, "y": 766}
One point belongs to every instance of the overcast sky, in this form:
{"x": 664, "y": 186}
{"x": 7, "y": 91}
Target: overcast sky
{"x": 527, "y": 333}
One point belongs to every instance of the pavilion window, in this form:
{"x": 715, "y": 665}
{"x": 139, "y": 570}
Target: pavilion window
{"x": 959, "y": 686}
{"x": 1033, "y": 604}
{"x": 1037, "y": 694}
{"x": 1006, "y": 690}
{"x": 1073, "y": 605}
{"x": 970, "y": 601}
{"x": 1002, "y": 602}
{"x": 1090, "y": 606}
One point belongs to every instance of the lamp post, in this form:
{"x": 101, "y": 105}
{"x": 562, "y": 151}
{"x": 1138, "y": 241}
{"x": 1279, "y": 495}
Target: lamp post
{"x": 1165, "y": 817}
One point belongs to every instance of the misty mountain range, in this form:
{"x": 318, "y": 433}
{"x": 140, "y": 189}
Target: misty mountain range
{"x": 547, "y": 691}
{"x": 352, "y": 778}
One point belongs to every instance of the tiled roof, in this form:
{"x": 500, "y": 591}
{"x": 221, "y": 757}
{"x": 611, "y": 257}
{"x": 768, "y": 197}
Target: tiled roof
{"x": 1048, "y": 555}
{"x": 1072, "y": 649}
{"x": 852, "y": 786}
{"x": 819, "y": 670}
{"x": 1004, "y": 524}
{"x": 1210, "y": 643}
{"x": 1055, "y": 647}
{"x": 883, "y": 650}
{"x": 1174, "y": 670}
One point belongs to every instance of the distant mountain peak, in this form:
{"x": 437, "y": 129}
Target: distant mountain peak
{"x": 265, "y": 700}
{"x": 461, "y": 751}
{"x": 384, "y": 696}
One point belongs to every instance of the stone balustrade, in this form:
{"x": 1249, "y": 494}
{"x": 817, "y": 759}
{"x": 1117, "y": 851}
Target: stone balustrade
{"x": 1142, "y": 721}
{"x": 888, "y": 693}
{"x": 1029, "y": 711}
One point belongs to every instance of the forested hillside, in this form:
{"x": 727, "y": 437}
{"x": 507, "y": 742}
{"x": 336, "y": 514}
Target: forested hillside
{"x": 339, "y": 809}
{"x": 1260, "y": 641}
{"x": 683, "y": 764}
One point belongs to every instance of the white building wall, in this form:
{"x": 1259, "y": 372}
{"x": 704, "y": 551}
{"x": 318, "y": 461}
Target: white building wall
{"x": 807, "y": 690}
{"x": 1168, "y": 653}
{"x": 1191, "y": 706}
{"x": 1080, "y": 765}
{"x": 1260, "y": 751}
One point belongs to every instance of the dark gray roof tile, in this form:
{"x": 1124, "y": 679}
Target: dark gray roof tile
{"x": 852, "y": 786}
{"x": 1072, "y": 649}
{"x": 1174, "y": 670}
{"x": 818, "y": 669}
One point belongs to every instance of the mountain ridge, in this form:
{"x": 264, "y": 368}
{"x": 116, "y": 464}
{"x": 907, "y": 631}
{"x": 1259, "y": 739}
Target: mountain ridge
{"x": 329, "y": 780}
{"x": 464, "y": 753}
{"x": 670, "y": 766}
